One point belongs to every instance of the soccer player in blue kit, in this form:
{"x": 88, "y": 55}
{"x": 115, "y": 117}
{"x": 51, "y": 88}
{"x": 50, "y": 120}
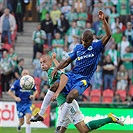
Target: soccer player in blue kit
{"x": 87, "y": 56}
{"x": 23, "y": 101}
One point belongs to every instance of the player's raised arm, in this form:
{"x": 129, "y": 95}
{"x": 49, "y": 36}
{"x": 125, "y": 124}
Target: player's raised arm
{"x": 106, "y": 37}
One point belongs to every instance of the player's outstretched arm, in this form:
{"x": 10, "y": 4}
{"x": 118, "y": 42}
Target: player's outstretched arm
{"x": 105, "y": 38}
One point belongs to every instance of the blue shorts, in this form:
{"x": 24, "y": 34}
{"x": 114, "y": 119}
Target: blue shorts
{"x": 76, "y": 81}
{"x": 23, "y": 108}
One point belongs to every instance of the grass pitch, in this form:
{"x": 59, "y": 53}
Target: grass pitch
{"x": 51, "y": 130}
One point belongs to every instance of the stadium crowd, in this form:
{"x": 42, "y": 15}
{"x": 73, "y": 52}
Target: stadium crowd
{"x": 60, "y": 27}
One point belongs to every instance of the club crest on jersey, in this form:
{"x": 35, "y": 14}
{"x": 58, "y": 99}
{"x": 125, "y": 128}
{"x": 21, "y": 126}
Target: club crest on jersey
{"x": 90, "y": 48}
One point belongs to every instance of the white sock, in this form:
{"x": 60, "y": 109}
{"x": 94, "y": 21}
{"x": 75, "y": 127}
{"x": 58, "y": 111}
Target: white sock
{"x": 46, "y": 102}
{"x": 28, "y": 128}
{"x": 65, "y": 108}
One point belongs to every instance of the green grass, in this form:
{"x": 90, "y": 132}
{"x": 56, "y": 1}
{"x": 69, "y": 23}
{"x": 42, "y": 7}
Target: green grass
{"x": 51, "y": 130}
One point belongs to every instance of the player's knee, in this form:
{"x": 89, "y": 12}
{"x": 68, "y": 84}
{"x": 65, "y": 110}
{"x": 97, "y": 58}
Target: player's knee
{"x": 70, "y": 98}
{"x": 28, "y": 122}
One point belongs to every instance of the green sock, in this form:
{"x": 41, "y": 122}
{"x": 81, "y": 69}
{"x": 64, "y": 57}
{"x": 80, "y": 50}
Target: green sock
{"x": 98, "y": 123}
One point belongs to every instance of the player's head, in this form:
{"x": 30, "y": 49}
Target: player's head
{"x": 46, "y": 62}
{"x": 25, "y": 72}
{"x": 87, "y": 38}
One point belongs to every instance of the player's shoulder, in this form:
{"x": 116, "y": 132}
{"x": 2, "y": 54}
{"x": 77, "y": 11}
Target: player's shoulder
{"x": 17, "y": 82}
{"x": 79, "y": 46}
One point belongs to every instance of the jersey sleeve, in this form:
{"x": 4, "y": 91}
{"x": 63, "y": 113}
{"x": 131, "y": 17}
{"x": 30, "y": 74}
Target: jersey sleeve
{"x": 14, "y": 86}
{"x": 73, "y": 54}
{"x": 59, "y": 73}
{"x": 98, "y": 45}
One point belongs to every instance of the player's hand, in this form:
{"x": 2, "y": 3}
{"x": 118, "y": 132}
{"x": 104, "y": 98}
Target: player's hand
{"x": 53, "y": 55}
{"x": 17, "y": 99}
{"x": 101, "y": 15}
{"x": 55, "y": 96}
{"x": 54, "y": 72}
{"x": 31, "y": 97}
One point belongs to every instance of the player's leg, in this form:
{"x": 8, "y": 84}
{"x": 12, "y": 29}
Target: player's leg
{"x": 21, "y": 122}
{"x": 28, "y": 127}
{"x": 45, "y": 103}
{"x": 95, "y": 124}
{"x": 79, "y": 88}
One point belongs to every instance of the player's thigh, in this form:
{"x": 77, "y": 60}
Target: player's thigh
{"x": 81, "y": 126}
{"x": 28, "y": 117}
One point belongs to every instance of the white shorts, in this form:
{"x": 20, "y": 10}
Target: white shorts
{"x": 74, "y": 115}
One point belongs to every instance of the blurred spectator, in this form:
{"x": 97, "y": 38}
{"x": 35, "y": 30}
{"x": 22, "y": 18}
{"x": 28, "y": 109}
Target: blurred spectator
{"x": 44, "y": 79}
{"x": 10, "y": 5}
{"x": 97, "y": 25}
{"x": 38, "y": 38}
{"x": 122, "y": 78}
{"x": 62, "y": 25}
{"x": 123, "y": 45}
{"x": 47, "y": 26}
{"x": 39, "y": 8}
{"x": 19, "y": 10}
{"x": 123, "y": 8}
{"x": 64, "y": 57}
{"x": 129, "y": 99}
{"x": 117, "y": 98}
{"x": 97, "y": 78}
{"x": 74, "y": 43}
{"x": 7, "y": 25}
{"x": 5, "y": 45}
{"x": 117, "y": 23}
{"x": 73, "y": 30}
{"x": 127, "y": 61}
{"x": 107, "y": 7}
{"x": 117, "y": 36}
{"x": 113, "y": 15}
{"x": 1, "y": 7}
{"x": 129, "y": 33}
{"x": 113, "y": 54}
{"x": 37, "y": 66}
{"x": 79, "y": 4}
{"x": 12, "y": 54}
{"x": 108, "y": 72}
{"x": 82, "y": 18}
{"x": 55, "y": 15}
{"x": 65, "y": 8}
{"x": 43, "y": 92}
{"x": 58, "y": 44}
{"x": 72, "y": 15}
{"x": 6, "y": 67}
{"x": 97, "y": 6}
{"x": 100, "y": 32}
{"x": 18, "y": 69}
{"x": 89, "y": 27}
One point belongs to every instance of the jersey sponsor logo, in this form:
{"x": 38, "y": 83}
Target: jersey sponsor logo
{"x": 85, "y": 56}
{"x": 22, "y": 90}
{"x": 90, "y": 48}
{"x": 84, "y": 82}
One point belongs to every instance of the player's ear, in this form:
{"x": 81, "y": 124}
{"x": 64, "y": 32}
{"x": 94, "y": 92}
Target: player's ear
{"x": 82, "y": 41}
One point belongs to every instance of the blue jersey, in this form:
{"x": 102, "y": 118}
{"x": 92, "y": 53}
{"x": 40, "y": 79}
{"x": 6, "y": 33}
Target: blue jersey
{"x": 22, "y": 93}
{"x": 86, "y": 58}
